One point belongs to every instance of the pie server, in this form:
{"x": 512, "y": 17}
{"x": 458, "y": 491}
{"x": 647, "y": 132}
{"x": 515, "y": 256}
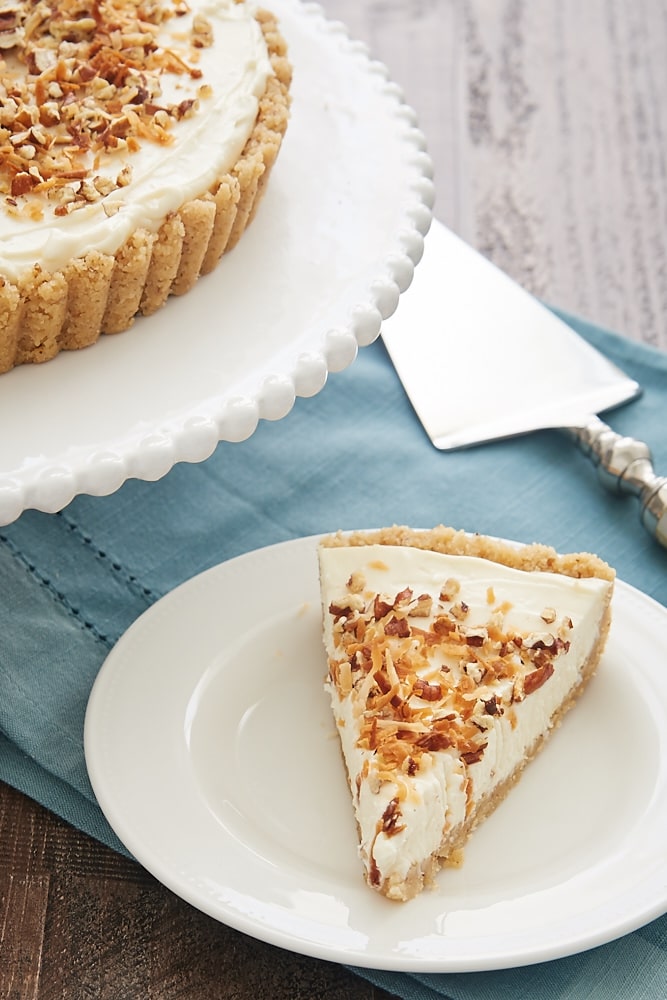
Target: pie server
{"x": 481, "y": 359}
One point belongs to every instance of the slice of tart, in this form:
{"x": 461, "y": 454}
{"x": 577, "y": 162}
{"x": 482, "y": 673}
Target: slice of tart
{"x": 451, "y": 658}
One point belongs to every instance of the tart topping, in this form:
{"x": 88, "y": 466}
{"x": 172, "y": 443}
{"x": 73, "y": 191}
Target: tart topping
{"x": 81, "y": 80}
{"x": 420, "y": 685}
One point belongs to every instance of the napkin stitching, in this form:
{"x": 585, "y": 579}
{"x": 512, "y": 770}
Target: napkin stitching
{"x": 54, "y": 593}
{"x": 115, "y": 564}
{"x": 29, "y": 698}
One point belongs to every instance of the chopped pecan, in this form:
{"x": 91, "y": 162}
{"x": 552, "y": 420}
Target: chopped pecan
{"x": 536, "y": 678}
{"x": 381, "y": 607}
{"x": 434, "y": 741}
{"x": 356, "y": 583}
{"x": 422, "y": 607}
{"x": 21, "y": 184}
{"x": 540, "y": 640}
{"x": 473, "y": 756}
{"x": 476, "y": 636}
{"x": 491, "y": 706}
{"x": 345, "y": 607}
{"x": 449, "y": 590}
{"x": 397, "y": 626}
{"x": 459, "y": 610}
{"x": 429, "y": 692}
{"x": 443, "y": 625}
{"x": 403, "y": 597}
{"x": 410, "y": 766}
{"x": 382, "y": 681}
{"x": 390, "y": 818}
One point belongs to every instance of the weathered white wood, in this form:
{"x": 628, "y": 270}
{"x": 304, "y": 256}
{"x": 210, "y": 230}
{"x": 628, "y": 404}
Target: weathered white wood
{"x": 547, "y": 124}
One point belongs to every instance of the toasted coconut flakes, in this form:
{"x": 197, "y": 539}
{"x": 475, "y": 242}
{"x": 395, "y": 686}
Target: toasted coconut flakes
{"x": 90, "y": 87}
{"x": 425, "y": 688}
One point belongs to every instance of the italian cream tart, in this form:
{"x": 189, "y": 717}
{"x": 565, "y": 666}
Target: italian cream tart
{"x": 136, "y": 140}
{"x": 451, "y": 659}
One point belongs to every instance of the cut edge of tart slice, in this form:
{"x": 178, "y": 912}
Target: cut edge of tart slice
{"x": 451, "y": 659}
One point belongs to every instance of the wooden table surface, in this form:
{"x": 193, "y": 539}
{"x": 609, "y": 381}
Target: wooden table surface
{"x": 547, "y": 124}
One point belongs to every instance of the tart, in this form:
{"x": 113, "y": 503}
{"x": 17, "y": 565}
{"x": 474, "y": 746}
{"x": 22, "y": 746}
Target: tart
{"x": 136, "y": 141}
{"x": 451, "y": 660}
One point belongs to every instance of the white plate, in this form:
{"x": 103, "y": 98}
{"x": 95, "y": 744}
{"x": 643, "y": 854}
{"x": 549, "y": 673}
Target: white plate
{"x": 334, "y": 243}
{"x": 211, "y": 748}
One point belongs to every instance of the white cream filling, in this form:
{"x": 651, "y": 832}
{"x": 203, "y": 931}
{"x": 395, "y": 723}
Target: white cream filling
{"x": 437, "y": 798}
{"x": 206, "y": 145}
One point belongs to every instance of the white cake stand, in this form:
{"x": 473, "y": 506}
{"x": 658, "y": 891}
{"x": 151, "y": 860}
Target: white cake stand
{"x": 333, "y": 245}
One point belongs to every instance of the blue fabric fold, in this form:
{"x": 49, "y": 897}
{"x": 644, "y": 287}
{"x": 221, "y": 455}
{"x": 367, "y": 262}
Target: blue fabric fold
{"x": 353, "y": 456}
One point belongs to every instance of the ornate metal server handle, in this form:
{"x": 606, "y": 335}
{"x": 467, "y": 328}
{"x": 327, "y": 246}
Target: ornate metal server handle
{"x": 625, "y": 466}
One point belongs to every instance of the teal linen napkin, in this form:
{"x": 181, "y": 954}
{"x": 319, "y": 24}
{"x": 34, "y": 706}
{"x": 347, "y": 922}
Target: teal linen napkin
{"x": 353, "y": 456}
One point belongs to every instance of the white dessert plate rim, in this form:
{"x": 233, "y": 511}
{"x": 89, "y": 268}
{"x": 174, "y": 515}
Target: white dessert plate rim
{"x": 211, "y": 750}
